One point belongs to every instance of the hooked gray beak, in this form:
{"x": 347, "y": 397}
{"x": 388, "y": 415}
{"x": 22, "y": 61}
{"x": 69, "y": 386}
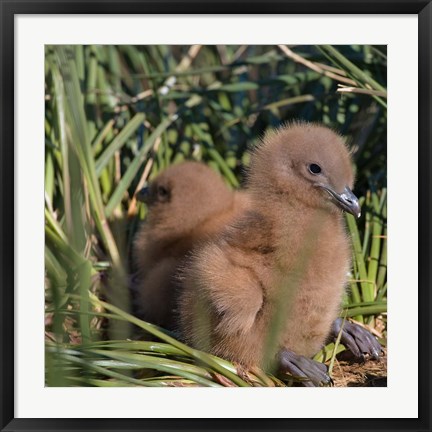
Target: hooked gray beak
{"x": 346, "y": 200}
{"x": 143, "y": 194}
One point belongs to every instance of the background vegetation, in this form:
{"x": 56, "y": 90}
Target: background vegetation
{"x": 117, "y": 115}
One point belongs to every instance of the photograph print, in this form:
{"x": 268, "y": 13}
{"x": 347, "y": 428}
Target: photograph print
{"x": 215, "y": 215}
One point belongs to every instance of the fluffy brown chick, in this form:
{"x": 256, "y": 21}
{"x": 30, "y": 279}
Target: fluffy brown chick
{"x": 187, "y": 203}
{"x": 281, "y": 267}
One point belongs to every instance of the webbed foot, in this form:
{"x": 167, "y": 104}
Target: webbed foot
{"x": 357, "y": 339}
{"x": 314, "y": 373}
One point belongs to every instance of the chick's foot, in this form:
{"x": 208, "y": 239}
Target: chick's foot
{"x": 303, "y": 367}
{"x": 357, "y": 339}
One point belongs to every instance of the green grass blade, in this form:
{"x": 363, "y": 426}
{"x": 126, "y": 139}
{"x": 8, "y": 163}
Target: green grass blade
{"x": 135, "y": 165}
{"x": 367, "y": 291}
{"x": 78, "y": 126}
{"x": 154, "y": 330}
{"x": 374, "y": 309}
{"x": 118, "y": 142}
{"x": 356, "y": 71}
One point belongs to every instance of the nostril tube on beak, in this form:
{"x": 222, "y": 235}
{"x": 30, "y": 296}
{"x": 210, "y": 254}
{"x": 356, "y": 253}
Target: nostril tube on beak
{"x": 351, "y": 202}
{"x": 346, "y": 200}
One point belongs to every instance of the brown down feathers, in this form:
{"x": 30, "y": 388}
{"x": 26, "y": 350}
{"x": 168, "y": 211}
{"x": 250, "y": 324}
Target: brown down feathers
{"x": 272, "y": 260}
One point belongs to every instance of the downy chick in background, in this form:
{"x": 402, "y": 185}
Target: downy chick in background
{"x": 187, "y": 204}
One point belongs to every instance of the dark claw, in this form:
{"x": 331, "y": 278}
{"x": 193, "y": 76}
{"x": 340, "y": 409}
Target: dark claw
{"x": 303, "y": 367}
{"x": 357, "y": 339}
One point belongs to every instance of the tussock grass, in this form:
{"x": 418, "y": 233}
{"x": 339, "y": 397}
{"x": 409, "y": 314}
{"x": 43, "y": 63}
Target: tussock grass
{"x": 118, "y": 115}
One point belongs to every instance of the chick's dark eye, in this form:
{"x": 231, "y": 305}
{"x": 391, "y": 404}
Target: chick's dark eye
{"x": 162, "y": 191}
{"x": 314, "y": 168}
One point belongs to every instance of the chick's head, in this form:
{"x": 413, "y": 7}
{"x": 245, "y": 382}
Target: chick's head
{"x": 184, "y": 196}
{"x": 305, "y": 162}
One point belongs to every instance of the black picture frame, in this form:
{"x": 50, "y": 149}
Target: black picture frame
{"x": 9, "y": 9}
